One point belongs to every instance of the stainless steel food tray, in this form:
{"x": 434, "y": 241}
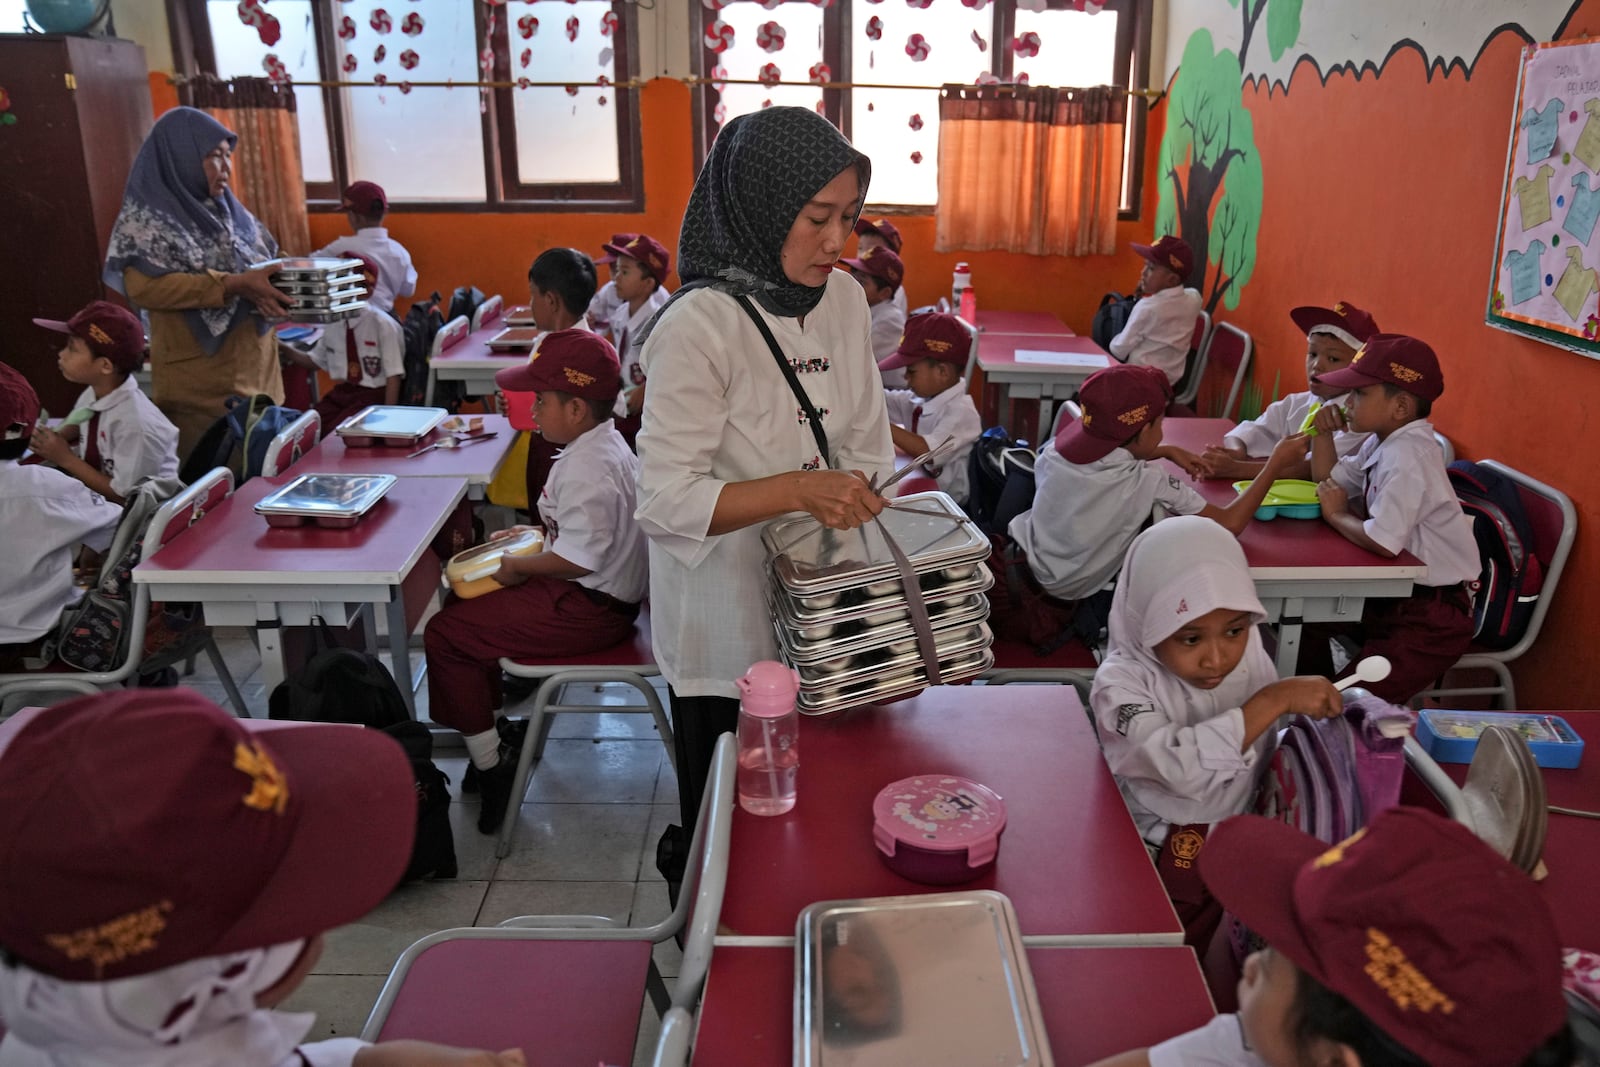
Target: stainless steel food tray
{"x": 936, "y": 980}
{"x": 865, "y": 601}
{"x": 309, "y": 268}
{"x": 336, "y": 500}
{"x": 390, "y": 424}
{"x": 827, "y": 699}
{"x": 899, "y": 658}
{"x": 334, "y": 313}
{"x": 334, "y": 292}
{"x": 850, "y": 637}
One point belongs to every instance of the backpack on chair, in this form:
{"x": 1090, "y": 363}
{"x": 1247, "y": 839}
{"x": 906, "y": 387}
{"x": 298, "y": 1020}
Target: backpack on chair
{"x": 239, "y": 439}
{"x": 422, "y": 324}
{"x": 1111, "y": 317}
{"x": 1000, "y": 479}
{"x": 1512, "y": 577}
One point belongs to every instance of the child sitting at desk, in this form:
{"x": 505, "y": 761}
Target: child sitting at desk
{"x": 879, "y": 272}
{"x": 605, "y": 299}
{"x": 366, "y": 355}
{"x": 561, "y": 284}
{"x": 581, "y": 594}
{"x": 935, "y": 407}
{"x": 1410, "y": 943}
{"x": 882, "y": 234}
{"x": 1187, "y": 697}
{"x": 639, "y": 272}
{"x": 1161, "y": 326}
{"x": 365, "y": 204}
{"x": 115, "y": 437}
{"x": 1332, "y": 337}
{"x": 1406, "y": 505}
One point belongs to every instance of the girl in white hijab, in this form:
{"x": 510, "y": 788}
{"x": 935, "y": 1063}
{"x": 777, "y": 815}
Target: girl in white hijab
{"x": 1187, "y": 696}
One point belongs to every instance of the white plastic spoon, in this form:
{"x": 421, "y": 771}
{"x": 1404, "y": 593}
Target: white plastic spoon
{"x": 1370, "y": 669}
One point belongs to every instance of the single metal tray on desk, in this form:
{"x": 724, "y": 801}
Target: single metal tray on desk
{"x": 389, "y": 424}
{"x": 337, "y": 501}
{"x": 935, "y": 980}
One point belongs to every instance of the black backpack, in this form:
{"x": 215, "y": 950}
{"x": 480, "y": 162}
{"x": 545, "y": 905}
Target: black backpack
{"x": 422, "y": 323}
{"x": 464, "y": 302}
{"x": 1000, "y": 480}
{"x": 1111, "y": 317}
{"x": 1513, "y": 576}
{"x": 239, "y": 439}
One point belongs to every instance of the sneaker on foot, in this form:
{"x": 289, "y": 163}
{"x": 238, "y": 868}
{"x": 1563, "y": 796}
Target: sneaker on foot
{"x": 494, "y": 788}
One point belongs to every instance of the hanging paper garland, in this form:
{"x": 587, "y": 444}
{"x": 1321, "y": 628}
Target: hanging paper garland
{"x": 349, "y": 64}
{"x": 820, "y": 73}
{"x": 347, "y": 28}
{"x": 976, "y": 5}
{"x": 874, "y": 28}
{"x": 572, "y": 90}
{"x": 380, "y": 20}
{"x": 983, "y": 46}
{"x": 719, "y": 113}
{"x": 380, "y": 79}
{"x": 524, "y": 82}
{"x": 603, "y": 81}
{"x": 486, "y": 61}
{"x": 405, "y": 87}
{"x": 252, "y": 14}
{"x": 919, "y": 4}
{"x": 718, "y": 73}
{"x": 766, "y": 104}
{"x": 1088, "y": 7}
{"x": 527, "y": 25}
{"x": 412, "y": 24}
{"x": 770, "y": 75}
{"x": 822, "y": 108}
{"x": 987, "y": 77}
{"x": 918, "y": 48}
{"x": 719, "y": 37}
{"x": 379, "y": 53}
{"x": 526, "y": 57}
{"x": 409, "y": 59}
{"x": 769, "y": 37}
{"x": 916, "y": 122}
{"x": 608, "y": 23}
{"x": 916, "y": 157}
{"x": 712, "y": 5}
{"x": 572, "y": 28}
{"x": 1026, "y": 45}
{"x": 771, "y": 5}
{"x": 274, "y": 67}
{"x": 1021, "y": 79}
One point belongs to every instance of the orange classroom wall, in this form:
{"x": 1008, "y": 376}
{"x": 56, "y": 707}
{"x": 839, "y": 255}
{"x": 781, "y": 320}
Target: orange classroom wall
{"x": 1383, "y": 189}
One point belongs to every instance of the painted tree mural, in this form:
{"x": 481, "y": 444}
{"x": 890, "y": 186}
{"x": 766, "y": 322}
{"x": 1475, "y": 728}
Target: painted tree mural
{"x": 1211, "y": 183}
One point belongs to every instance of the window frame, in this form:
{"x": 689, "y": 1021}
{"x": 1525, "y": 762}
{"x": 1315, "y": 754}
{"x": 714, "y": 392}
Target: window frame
{"x": 193, "y": 54}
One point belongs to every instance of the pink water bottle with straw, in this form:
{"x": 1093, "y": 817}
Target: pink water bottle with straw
{"x": 769, "y": 738}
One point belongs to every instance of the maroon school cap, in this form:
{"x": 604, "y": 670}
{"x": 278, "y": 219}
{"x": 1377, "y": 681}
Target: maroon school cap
{"x": 883, "y": 228}
{"x": 1394, "y": 359}
{"x": 1171, "y": 252}
{"x": 110, "y": 330}
{"x": 931, "y": 335}
{"x": 650, "y": 253}
{"x": 1344, "y": 320}
{"x": 365, "y": 198}
{"x": 879, "y": 263}
{"x": 1442, "y": 944}
{"x": 617, "y": 239}
{"x": 1117, "y": 403}
{"x": 19, "y": 404}
{"x": 568, "y": 361}
{"x": 141, "y": 828}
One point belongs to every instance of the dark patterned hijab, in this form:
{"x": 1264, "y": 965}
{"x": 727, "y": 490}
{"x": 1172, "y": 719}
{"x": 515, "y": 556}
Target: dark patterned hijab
{"x": 170, "y": 224}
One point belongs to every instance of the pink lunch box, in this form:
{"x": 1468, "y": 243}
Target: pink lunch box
{"x": 938, "y": 829}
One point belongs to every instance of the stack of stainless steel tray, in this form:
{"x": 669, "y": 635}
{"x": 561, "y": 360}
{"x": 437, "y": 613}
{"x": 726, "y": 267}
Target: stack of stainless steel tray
{"x": 396, "y": 425}
{"x": 337, "y": 501}
{"x": 839, "y": 608}
{"x": 936, "y": 980}
{"x": 324, "y": 289}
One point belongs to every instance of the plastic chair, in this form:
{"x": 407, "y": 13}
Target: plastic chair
{"x": 1067, "y": 412}
{"x": 1446, "y": 447}
{"x": 296, "y": 439}
{"x": 450, "y": 334}
{"x": 487, "y": 312}
{"x": 630, "y": 663}
{"x": 1555, "y": 527}
{"x": 676, "y": 1040}
{"x": 567, "y": 986}
{"x": 170, "y": 520}
{"x": 1195, "y": 367}
{"x": 1230, "y": 349}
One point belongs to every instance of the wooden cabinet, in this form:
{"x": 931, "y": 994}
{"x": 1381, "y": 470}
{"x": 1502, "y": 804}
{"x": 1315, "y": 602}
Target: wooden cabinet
{"x": 82, "y": 106}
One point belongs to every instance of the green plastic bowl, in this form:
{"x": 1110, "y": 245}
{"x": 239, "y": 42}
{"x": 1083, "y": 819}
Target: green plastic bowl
{"x": 1289, "y": 498}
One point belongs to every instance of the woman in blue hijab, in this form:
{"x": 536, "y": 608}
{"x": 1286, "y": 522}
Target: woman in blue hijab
{"x": 181, "y": 250}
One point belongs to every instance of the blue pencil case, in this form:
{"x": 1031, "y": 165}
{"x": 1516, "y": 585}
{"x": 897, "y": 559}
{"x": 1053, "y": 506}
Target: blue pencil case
{"x": 1452, "y": 736}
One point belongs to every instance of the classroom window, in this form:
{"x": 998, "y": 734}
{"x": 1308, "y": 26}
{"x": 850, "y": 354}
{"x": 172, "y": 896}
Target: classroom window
{"x": 865, "y": 43}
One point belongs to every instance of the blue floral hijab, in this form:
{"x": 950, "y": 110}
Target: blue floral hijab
{"x": 170, "y": 224}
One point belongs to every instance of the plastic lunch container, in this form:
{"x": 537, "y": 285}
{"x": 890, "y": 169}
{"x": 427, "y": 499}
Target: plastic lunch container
{"x": 938, "y": 829}
{"x": 1289, "y": 498}
{"x": 470, "y": 572}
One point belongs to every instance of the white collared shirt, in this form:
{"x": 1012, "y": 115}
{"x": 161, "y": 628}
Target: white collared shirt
{"x": 1261, "y": 435}
{"x": 396, "y": 276}
{"x": 136, "y": 441}
{"x": 888, "y": 326}
{"x": 626, "y": 328}
{"x": 719, "y": 410}
{"x": 1159, "y": 331}
{"x": 951, "y": 414}
{"x": 1085, "y": 515}
{"x": 380, "y": 346}
{"x": 1410, "y": 504}
{"x": 46, "y": 515}
{"x": 1219, "y": 1043}
{"x": 602, "y": 304}
{"x": 586, "y": 507}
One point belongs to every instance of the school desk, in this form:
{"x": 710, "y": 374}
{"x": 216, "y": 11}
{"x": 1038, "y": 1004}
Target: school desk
{"x": 1095, "y": 1002}
{"x": 477, "y": 461}
{"x": 1046, "y": 379}
{"x": 473, "y": 363}
{"x": 1070, "y": 858}
{"x": 1304, "y": 569}
{"x": 246, "y": 573}
{"x": 1039, "y": 322}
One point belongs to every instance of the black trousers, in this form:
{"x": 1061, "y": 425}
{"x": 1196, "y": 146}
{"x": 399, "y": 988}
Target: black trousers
{"x": 697, "y": 722}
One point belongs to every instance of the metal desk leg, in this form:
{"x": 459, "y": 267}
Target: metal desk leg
{"x": 1290, "y": 623}
{"x": 427, "y": 398}
{"x": 269, "y": 640}
{"x": 400, "y": 649}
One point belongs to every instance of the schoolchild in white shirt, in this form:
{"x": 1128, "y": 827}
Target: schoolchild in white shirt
{"x": 605, "y": 299}
{"x": 1187, "y": 696}
{"x": 935, "y": 407}
{"x": 1392, "y": 495}
{"x": 879, "y": 273}
{"x": 365, "y": 204}
{"x": 639, "y": 272}
{"x": 365, "y": 355}
{"x": 561, "y": 285}
{"x": 882, "y": 234}
{"x": 116, "y": 436}
{"x": 1332, "y": 337}
{"x": 581, "y": 593}
{"x": 1160, "y": 328}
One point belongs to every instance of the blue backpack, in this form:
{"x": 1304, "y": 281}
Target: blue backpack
{"x": 1512, "y": 577}
{"x": 239, "y": 439}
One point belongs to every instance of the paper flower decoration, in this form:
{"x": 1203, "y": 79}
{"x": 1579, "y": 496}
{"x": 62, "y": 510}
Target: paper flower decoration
{"x": 527, "y": 25}
{"x": 918, "y": 48}
{"x": 770, "y": 75}
{"x": 608, "y": 24}
{"x": 572, "y": 28}
{"x": 409, "y": 59}
{"x": 1026, "y": 45}
{"x": 379, "y": 54}
{"x": 349, "y": 64}
{"x": 874, "y": 28}
{"x": 820, "y": 73}
{"x": 412, "y": 24}
{"x": 525, "y": 58}
{"x": 270, "y": 63}
{"x": 769, "y": 37}
{"x": 719, "y": 37}
{"x": 916, "y": 157}
{"x": 916, "y": 122}
{"x": 347, "y": 28}
{"x": 380, "y": 20}
{"x": 983, "y": 46}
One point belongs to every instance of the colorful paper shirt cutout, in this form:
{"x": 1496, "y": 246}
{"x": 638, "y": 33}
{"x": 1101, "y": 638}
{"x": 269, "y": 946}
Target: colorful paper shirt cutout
{"x": 1541, "y": 127}
{"x": 1585, "y": 209}
{"x": 1533, "y": 197}
{"x": 1525, "y": 269}
{"x": 1576, "y": 283}
{"x": 1588, "y": 147}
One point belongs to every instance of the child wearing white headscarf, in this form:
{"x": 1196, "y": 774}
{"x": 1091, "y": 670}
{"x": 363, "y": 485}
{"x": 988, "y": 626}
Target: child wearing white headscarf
{"x": 1187, "y": 696}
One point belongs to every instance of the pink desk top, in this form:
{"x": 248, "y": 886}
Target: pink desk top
{"x": 997, "y": 354}
{"x": 474, "y": 349}
{"x": 236, "y": 546}
{"x": 1036, "y": 322}
{"x": 1095, "y": 1001}
{"x": 475, "y": 462}
{"x": 1070, "y": 859}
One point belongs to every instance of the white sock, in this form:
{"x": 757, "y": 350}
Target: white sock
{"x": 484, "y": 749}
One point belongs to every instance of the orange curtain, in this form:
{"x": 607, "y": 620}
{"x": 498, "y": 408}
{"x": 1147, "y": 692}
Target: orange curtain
{"x": 267, "y": 176}
{"x": 1029, "y": 169}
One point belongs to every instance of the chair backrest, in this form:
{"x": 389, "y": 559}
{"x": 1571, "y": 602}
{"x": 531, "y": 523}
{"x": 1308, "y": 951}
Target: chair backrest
{"x": 972, "y": 355}
{"x": 488, "y": 311}
{"x": 188, "y": 507}
{"x": 1227, "y": 353}
{"x": 295, "y": 440}
{"x": 1446, "y": 447}
{"x": 1555, "y": 526}
{"x": 1195, "y": 366}
{"x": 706, "y": 876}
{"x": 677, "y": 1035}
{"x": 450, "y": 334}
{"x": 1067, "y": 412}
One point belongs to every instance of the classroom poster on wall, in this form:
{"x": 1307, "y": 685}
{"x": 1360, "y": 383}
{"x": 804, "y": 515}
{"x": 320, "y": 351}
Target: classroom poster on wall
{"x": 1546, "y": 280}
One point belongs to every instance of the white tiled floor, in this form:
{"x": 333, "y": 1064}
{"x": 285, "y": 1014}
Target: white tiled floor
{"x": 585, "y": 845}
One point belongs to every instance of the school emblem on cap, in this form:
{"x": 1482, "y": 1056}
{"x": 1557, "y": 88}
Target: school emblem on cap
{"x": 1405, "y": 374}
{"x": 936, "y": 346}
{"x": 116, "y": 939}
{"x": 1340, "y": 310}
{"x": 1131, "y": 417}
{"x": 1359, "y": 353}
{"x": 577, "y": 377}
{"x": 99, "y": 336}
{"x": 1391, "y": 972}
{"x": 1336, "y": 853}
{"x": 1174, "y": 262}
{"x": 268, "y": 790}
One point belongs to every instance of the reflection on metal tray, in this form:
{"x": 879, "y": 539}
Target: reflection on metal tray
{"x": 519, "y": 315}
{"x": 336, "y": 313}
{"x": 396, "y": 423}
{"x": 809, "y": 558}
{"x": 308, "y": 267}
{"x": 936, "y": 980}
{"x": 837, "y": 639}
{"x": 324, "y": 295}
{"x": 897, "y": 658}
{"x": 337, "y": 500}
{"x": 825, "y": 700}
{"x": 865, "y": 601}
{"x": 515, "y": 337}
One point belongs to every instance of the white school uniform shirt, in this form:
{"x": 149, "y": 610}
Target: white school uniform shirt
{"x": 135, "y": 439}
{"x": 396, "y": 275}
{"x": 1410, "y": 503}
{"x": 586, "y": 507}
{"x": 1159, "y": 331}
{"x": 626, "y": 329}
{"x": 1175, "y": 750}
{"x": 1219, "y": 1043}
{"x": 1084, "y": 516}
{"x": 46, "y": 515}
{"x": 888, "y": 326}
{"x": 951, "y": 414}
{"x": 1261, "y": 435}
{"x": 602, "y": 304}
{"x": 380, "y": 346}
{"x": 720, "y": 411}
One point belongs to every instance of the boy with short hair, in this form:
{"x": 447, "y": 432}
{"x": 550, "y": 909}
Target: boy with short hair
{"x": 935, "y": 406}
{"x": 639, "y": 273}
{"x": 581, "y": 593}
{"x": 1161, "y": 326}
{"x": 365, "y": 355}
{"x": 605, "y": 301}
{"x": 116, "y": 436}
{"x": 561, "y": 284}
{"x": 46, "y": 515}
{"x": 882, "y": 234}
{"x": 1406, "y": 504}
{"x": 879, "y": 273}
{"x": 365, "y": 204}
